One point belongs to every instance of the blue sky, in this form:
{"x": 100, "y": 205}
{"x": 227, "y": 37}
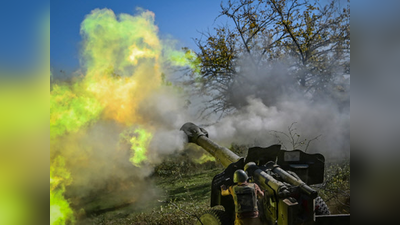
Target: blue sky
{"x": 182, "y": 19}
{"x": 21, "y": 24}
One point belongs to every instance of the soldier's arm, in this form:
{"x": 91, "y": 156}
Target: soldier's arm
{"x": 259, "y": 193}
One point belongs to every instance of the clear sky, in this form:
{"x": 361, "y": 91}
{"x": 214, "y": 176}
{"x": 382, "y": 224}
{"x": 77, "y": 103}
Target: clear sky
{"x": 182, "y": 19}
{"x": 21, "y": 24}
{"x": 20, "y": 21}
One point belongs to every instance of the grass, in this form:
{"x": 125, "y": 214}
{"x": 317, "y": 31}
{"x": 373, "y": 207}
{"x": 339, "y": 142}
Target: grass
{"x": 190, "y": 193}
{"x": 186, "y": 192}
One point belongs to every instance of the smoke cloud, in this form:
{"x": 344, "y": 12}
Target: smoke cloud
{"x": 259, "y": 125}
{"x": 117, "y": 119}
{"x": 271, "y": 109}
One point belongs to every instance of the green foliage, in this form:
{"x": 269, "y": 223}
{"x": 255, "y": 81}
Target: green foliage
{"x": 185, "y": 196}
{"x": 313, "y": 42}
{"x": 240, "y": 150}
{"x": 336, "y": 189}
{"x": 183, "y": 164}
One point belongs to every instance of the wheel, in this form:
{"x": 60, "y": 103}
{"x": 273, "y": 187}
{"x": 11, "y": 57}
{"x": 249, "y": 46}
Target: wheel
{"x": 320, "y": 207}
{"x": 214, "y": 217}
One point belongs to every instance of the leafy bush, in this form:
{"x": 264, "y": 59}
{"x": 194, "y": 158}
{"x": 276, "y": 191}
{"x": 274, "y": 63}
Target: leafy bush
{"x": 336, "y": 188}
{"x": 184, "y": 163}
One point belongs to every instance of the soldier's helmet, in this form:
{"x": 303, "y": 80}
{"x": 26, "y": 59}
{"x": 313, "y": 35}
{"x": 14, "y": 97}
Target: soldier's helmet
{"x": 239, "y": 176}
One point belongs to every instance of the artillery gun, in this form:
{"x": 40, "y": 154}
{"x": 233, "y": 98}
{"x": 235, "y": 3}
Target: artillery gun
{"x": 284, "y": 177}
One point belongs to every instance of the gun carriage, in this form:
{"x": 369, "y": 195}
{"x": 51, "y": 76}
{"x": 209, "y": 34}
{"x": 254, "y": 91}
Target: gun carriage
{"x": 284, "y": 177}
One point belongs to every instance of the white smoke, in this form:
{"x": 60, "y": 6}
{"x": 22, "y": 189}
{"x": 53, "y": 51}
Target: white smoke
{"x": 256, "y": 124}
{"x": 268, "y": 104}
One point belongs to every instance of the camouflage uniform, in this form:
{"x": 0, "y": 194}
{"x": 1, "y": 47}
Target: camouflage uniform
{"x": 245, "y": 198}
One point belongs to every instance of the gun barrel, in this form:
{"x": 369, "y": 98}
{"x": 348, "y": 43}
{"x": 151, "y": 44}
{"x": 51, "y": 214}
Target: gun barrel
{"x": 199, "y": 136}
{"x": 266, "y": 181}
{"x": 293, "y": 181}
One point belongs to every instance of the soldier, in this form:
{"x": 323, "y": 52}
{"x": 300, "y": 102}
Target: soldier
{"x": 245, "y": 197}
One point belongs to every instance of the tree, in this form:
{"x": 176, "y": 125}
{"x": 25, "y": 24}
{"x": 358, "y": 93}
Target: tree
{"x": 274, "y": 48}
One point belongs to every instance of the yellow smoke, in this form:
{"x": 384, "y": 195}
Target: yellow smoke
{"x": 122, "y": 59}
{"x": 139, "y": 145}
{"x": 204, "y": 158}
{"x": 60, "y": 211}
